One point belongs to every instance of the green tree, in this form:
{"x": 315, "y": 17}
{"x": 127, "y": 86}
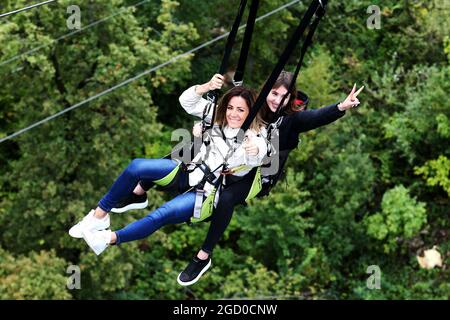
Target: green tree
{"x": 34, "y": 276}
{"x": 401, "y": 217}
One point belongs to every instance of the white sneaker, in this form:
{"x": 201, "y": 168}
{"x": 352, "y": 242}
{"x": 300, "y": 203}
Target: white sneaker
{"x": 98, "y": 241}
{"x": 91, "y": 223}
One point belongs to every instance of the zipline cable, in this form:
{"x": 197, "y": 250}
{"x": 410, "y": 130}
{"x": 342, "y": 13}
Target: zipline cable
{"x": 98, "y": 95}
{"x": 26, "y": 8}
{"x": 92, "y": 24}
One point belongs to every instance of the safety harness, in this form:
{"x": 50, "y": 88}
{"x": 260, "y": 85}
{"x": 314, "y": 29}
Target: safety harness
{"x": 261, "y": 185}
{"x": 204, "y": 205}
{"x": 171, "y": 180}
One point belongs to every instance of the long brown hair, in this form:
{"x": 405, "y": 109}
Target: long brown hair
{"x": 284, "y": 80}
{"x": 249, "y": 95}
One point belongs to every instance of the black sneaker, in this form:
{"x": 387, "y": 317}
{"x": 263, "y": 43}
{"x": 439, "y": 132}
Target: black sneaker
{"x": 195, "y": 269}
{"x": 132, "y": 202}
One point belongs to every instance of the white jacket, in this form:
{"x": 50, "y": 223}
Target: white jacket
{"x": 214, "y": 154}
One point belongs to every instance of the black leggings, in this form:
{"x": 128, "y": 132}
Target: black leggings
{"x": 231, "y": 196}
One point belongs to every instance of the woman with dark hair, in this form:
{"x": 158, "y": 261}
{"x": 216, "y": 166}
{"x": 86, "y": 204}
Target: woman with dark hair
{"x": 288, "y": 121}
{"x": 232, "y": 111}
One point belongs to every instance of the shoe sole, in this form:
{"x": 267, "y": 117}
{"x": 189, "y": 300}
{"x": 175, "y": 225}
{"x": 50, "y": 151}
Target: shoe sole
{"x": 79, "y": 235}
{"x": 75, "y": 235}
{"x": 87, "y": 239}
{"x": 132, "y": 206}
{"x": 185, "y": 284}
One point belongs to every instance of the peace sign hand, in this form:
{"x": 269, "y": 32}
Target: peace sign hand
{"x": 351, "y": 100}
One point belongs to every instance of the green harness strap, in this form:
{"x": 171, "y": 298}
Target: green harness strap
{"x": 256, "y": 185}
{"x": 208, "y": 202}
{"x": 207, "y": 207}
{"x": 164, "y": 181}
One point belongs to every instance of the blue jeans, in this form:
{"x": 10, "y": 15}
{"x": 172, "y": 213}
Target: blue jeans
{"x": 178, "y": 210}
{"x": 138, "y": 169}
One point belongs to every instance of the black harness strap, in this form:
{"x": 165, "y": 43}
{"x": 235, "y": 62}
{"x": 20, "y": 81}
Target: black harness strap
{"x": 232, "y": 37}
{"x": 240, "y": 70}
{"x": 282, "y": 62}
{"x": 212, "y": 96}
{"x": 306, "y": 44}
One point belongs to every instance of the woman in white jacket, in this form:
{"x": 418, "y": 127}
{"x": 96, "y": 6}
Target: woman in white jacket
{"x": 231, "y": 113}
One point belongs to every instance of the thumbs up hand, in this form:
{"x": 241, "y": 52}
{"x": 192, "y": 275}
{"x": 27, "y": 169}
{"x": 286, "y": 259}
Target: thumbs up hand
{"x": 250, "y": 147}
{"x": 197, "y": 129}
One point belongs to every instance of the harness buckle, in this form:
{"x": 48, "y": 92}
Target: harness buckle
{"x": 226, "y": 172}
{"x": 198, "y": 202}
{"x": 211, "y": 96}
{"x": 238, "y": 83}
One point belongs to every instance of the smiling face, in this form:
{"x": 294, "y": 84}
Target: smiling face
{"x": 234, "y": 107}
{"x": 237, "y": 112}
{"x": 275, "y": 96}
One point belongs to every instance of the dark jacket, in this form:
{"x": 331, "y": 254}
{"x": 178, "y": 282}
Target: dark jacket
{"x": 295, "y": 123}
{"x": 289, "y": 130}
